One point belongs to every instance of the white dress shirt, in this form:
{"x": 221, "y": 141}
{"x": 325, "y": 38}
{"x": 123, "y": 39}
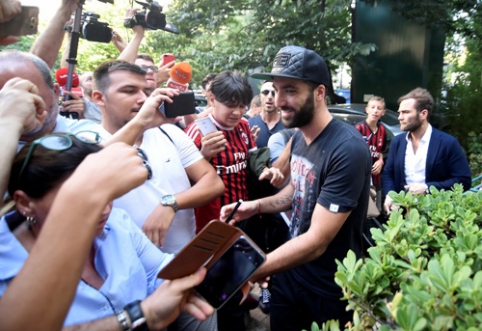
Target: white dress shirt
{"x": 415, "y": 163}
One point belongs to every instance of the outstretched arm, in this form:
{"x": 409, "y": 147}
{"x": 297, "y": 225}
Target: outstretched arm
{"x": 162, "y": 307}
{"x": 129, "y": 53}
{"x": 47, "y": 45}
{"x": 64, "y": 242}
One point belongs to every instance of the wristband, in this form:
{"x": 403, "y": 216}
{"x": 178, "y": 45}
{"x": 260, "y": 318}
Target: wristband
{"x": 259, "y": 209}
{"x": 138, "y": 321}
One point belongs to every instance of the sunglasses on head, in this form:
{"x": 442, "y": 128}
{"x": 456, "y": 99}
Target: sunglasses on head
{"x": 266, "y": 92}
{"x": 144, "y": 67}
{"x": 60, "y": 142}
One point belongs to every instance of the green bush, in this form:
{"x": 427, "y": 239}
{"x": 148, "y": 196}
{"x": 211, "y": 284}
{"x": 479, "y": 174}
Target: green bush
{"x": 425, "y": 272}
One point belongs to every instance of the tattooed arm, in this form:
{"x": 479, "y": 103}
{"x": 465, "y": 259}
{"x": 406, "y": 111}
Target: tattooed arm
{"x": 270, "y": 205}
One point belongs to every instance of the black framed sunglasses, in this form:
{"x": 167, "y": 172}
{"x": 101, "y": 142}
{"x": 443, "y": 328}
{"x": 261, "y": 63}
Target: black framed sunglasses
{"x": 59, "y": 142}
{"x": 266, "y": 92}
{"x": 144, "y": 67}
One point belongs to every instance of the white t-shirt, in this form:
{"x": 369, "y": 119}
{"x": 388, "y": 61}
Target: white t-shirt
{"x": 168, "y": 161}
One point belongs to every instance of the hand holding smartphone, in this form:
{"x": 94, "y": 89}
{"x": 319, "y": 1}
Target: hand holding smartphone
{"x": 166, "y": 58}
{"x": 183, "y": 104}
{"x": 206, "y": 126}
{"x": 230, "y": 256}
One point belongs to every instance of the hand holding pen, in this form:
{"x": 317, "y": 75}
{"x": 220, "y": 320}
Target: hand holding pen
{"x": 231, "y": 214}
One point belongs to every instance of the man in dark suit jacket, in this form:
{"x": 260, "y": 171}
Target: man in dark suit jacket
{"x": 424, "y": 156}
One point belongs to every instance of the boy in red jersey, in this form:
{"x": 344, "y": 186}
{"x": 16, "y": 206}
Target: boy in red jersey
{"x": 375, "y": 135}
{"x": 227, "y": 150}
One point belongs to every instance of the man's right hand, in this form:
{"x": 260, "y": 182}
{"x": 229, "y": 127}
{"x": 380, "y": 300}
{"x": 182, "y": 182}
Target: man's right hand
{"x": 245, "y": 211}
{"x": 163, "y": 72}
{"x": 149, "y": 116}
{"x": 20, "y": 101}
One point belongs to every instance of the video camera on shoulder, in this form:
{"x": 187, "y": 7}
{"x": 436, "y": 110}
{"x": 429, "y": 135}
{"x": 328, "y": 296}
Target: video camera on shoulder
{"x": 150, "y": 18}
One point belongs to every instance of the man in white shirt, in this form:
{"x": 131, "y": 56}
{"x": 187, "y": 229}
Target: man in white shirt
{"x": 163, "y": 207}
{"x": 425, "y": 156}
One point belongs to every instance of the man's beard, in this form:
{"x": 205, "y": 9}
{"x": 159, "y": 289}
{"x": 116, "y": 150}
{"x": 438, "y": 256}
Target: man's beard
{"x": 414, "y": 126}
{"x": 302, "y": 117}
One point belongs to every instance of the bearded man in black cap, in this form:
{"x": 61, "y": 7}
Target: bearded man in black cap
{"x": 328, "y": 194}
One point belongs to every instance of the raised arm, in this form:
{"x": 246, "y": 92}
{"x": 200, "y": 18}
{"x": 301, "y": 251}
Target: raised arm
{"x": 63, "y": 244}
{"x": 47, "y": 45}
{"x": 22, "y": 110}
{"x": 129, "y": 53}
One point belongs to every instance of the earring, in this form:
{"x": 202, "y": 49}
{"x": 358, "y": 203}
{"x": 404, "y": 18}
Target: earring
{"x": 31, "y": 221}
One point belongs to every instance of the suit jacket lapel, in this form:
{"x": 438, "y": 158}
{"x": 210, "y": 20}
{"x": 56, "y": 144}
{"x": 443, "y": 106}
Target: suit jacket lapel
{"x": 401, "y": 159}
{"x": 432, "y": 152}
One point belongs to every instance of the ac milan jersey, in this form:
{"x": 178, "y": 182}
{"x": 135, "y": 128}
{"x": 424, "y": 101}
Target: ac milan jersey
{"x": 376, "y": 143}
{"x": 230, "y": 165}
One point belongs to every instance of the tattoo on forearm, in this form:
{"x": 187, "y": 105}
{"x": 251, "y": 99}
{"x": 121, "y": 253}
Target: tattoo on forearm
{"x": 281, "y": 201}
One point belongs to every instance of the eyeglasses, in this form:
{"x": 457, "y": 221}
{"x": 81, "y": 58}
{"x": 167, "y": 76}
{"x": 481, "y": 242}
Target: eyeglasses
{"x": 266, "y": 92}
{"x": 145, "y": 161}
{"x": 144, "y": 67}
{"x": 60, "y": 142}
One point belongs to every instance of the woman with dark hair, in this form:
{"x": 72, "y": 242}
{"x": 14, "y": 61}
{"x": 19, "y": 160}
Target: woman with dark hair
{"x": 122, "y": 264}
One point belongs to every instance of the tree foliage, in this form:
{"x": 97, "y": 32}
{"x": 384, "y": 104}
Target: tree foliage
{"x": 246, "y": 34}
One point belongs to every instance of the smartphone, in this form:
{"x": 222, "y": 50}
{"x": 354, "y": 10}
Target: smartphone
{"x": 183, "y": 104}
{"x": 230, "y": 272}
{"x": 166, "y": 58}
{"x": 25, "y": 23}
{"x": 224, "y": 249}
{"x": 206, "y": 126}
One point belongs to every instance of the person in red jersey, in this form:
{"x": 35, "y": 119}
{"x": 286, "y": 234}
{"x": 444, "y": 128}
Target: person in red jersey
{"x": 228, "y": 149}
{"x": 375, "y": 135}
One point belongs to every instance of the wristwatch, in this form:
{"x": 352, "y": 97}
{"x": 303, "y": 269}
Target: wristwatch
{"x": 136, "y": 316}
{"x": 170, "y": 200}
{"x": 427, "y": 191}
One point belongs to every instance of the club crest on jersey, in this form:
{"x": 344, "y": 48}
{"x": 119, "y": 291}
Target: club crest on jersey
{"x": 245, "y": 137}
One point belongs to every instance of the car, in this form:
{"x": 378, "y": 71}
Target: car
{"x": 389, "y": 120}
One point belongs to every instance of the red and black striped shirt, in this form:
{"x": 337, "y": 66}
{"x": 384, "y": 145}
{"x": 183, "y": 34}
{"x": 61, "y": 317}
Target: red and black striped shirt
{"x": 230, "y": 165}
{"x": 376, "y": 142}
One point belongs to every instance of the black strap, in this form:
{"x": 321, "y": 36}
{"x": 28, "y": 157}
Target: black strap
{"x": 163, "y": 131}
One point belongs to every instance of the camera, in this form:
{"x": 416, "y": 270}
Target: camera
{"x": 94, "y": 30}
{"x": 150, "y": 18}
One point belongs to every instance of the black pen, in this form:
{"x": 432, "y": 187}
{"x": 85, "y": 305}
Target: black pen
{"x": 230, "y": 216}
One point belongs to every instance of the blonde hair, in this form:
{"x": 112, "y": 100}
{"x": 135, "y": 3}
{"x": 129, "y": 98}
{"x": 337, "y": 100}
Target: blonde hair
{"x": 377, "y": 98}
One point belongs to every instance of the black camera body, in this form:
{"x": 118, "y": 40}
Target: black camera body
{"x": 94, "y": 30}
{"x": 151, "y": 18}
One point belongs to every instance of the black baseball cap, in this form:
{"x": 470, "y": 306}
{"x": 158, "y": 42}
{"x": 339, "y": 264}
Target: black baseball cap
{"x": 298, "y": 63}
